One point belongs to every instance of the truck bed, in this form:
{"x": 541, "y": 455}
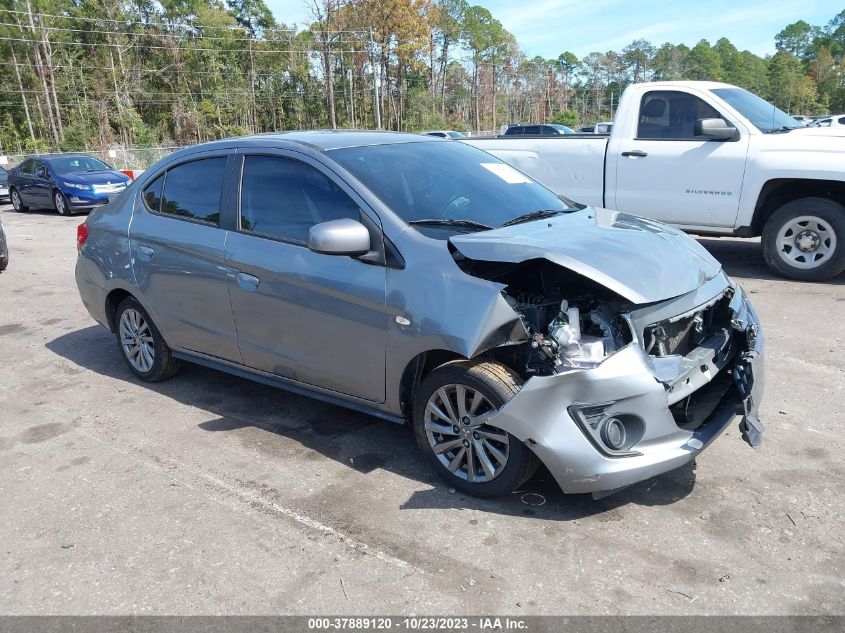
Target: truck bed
{"x": 569, "y": 165}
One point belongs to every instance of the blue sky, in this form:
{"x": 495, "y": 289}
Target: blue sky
{"x": 549, "y": 27}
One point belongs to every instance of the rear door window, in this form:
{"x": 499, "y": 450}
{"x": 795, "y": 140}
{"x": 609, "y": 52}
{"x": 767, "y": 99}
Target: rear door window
{"x": 532, "y": 129}
{"x": 193, "y": 190}
{"x": 283, "y": 198}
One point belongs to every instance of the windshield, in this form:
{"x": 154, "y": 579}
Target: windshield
{"x": 563, "y": 129}
{"x": 765, "y": 117}
{"x": 455, "y": 134}
{"x": 446, "y": 181}
{"x": 70, "y": 164}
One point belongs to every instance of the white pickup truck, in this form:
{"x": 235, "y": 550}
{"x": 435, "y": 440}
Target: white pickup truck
{"x": 708, "y": 158}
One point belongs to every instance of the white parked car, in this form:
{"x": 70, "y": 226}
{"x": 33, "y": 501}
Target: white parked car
{"x": 837, "y": 120}
{"x": 708, "y": 158}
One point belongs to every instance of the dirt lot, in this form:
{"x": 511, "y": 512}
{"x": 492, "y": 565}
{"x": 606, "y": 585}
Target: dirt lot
{"x": 210, "y": 494}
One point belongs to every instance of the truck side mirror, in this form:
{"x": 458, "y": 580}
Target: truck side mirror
{"x": 717, "y": 129}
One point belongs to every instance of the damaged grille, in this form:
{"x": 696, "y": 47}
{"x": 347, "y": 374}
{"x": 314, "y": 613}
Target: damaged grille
{"x": 680, "y": 336}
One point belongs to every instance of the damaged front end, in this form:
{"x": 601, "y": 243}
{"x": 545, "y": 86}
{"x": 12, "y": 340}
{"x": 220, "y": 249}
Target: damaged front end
{"x": 617, "y": 392}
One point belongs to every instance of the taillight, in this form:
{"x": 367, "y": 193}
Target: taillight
{"x": 81, "y": 235}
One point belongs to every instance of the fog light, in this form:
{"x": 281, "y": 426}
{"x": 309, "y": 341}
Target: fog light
{"x": 613, "y": 433}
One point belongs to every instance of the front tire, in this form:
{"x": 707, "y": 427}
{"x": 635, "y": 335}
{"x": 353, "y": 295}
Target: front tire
{"x": 60, "y": 203}
{"x": 17, "y": 202}
{"x": 141, "y": 344}
{"x": 805, "y": 239}
{"x": 449, "y": 418}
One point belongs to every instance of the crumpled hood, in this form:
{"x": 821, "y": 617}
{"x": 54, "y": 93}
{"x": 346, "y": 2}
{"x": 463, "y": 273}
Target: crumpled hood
{"x": 642, "y": 260}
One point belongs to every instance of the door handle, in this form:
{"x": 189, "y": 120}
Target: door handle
{"x": 145, "y": 253}
{"x": 635, "y": 152}
{"x": 247, "y": 281}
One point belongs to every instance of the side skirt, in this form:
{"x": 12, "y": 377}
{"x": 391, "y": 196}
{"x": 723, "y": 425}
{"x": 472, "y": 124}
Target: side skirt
{"x": 286, "y": 385}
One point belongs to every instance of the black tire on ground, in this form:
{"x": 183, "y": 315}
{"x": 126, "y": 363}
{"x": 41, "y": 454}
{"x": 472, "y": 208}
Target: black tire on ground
{"x": 164, "y": 364}
{"x": 17, "y": 203}
{"x": 498, "y": 384}
{"x": 829, "y": 212}
{"x": 4, "y": 262}
{"x": 60, "y": 203}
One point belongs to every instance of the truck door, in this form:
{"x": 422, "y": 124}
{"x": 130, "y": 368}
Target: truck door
{"x": 665, "y": 172}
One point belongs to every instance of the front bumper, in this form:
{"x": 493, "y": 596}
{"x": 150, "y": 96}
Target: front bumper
{"x": 629, "y": 384}
{"x": 85, "y": 200}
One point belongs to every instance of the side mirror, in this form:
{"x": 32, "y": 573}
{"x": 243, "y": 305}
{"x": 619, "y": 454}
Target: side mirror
{"x": 716, "y": 129}
{"x": 339, "y": 237}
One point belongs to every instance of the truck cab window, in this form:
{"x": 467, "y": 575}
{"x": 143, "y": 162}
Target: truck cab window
{"x": 668, "y": 114}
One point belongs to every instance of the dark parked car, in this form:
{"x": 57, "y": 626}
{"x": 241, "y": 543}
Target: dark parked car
{"x": 4, "y": 184}
{"x": 4, "y": 249}
{"x": 65, "y": 183}
{"x": 431, "y": 282}
{"x": 544, "y": 129}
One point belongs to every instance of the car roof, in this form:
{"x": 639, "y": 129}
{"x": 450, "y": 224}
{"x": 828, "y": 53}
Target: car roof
{"x": 322, "y": 140}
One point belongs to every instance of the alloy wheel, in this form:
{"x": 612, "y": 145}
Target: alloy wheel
{"x": 136, "y": 340}
{"x": 460, "y": 437}
{"x": 61, "y": 206}
{"x": 806, "y": 242}
{"x": 16, "y": 200}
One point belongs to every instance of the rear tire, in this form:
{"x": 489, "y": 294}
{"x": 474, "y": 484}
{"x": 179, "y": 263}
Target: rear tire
{"x": 805, "y": 239}
{"x": 17, "y": 202}
{"x": 449, "y": 410}
{"x": 143, "y": 348}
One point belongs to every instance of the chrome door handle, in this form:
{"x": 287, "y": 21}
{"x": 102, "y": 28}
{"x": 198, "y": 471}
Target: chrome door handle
{"x": 635, "y": 152}
{"x": 145, "y": 253}
{"x": 247, "y": 281}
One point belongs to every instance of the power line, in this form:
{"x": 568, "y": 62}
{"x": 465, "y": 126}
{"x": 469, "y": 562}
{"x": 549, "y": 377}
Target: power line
{"x": 166, "y": 34}
{"x": 185, "y": 26}
{"x": 170, "y": 48}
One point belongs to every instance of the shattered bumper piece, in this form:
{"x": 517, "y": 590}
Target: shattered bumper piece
{"x": 546, "y": 413}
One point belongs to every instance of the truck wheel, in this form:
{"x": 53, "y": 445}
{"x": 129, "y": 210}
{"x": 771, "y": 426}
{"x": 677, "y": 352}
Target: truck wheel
{"x": 449, "y": 417}
{"x": 805, "y": 239}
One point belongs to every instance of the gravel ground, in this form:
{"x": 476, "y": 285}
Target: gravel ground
{"x": 209, "y": 494}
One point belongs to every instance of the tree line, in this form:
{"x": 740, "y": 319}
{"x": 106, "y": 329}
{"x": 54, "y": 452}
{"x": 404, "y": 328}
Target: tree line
{"x": 95, "y": 74}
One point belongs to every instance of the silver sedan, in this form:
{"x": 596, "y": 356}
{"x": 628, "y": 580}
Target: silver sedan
{"x": 427, "y": 282}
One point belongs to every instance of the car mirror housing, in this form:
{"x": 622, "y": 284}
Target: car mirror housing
{"x": 716, "y": 129}
{"x": 339, "y": 237}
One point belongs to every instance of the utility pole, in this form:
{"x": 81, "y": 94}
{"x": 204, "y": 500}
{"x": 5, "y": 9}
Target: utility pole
{"x": 351, "y": 97}
{"x": 376, "y": 99}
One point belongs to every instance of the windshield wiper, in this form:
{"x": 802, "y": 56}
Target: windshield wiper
{"x": 536, "y": 215}
{"x": 469, "y": 224}
{"x": 781, "y": 130}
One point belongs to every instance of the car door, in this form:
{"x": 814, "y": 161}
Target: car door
{"x": 177, "y": 249}
{"x": 315, "y": 318}
{"x": 663, "y": 169}
{"x": 23, "y": 180}
{"x": 41, "y": 186}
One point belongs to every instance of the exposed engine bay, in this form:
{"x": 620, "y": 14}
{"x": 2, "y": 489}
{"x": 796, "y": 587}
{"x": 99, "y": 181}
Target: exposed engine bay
{"x": 570, "y": 322}
{"x": 566, "y": 335}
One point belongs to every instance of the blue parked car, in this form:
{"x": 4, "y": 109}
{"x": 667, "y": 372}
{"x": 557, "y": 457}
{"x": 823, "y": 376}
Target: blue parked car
{"x": 4, "y": 184}
{"x": 66, "y": 183}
